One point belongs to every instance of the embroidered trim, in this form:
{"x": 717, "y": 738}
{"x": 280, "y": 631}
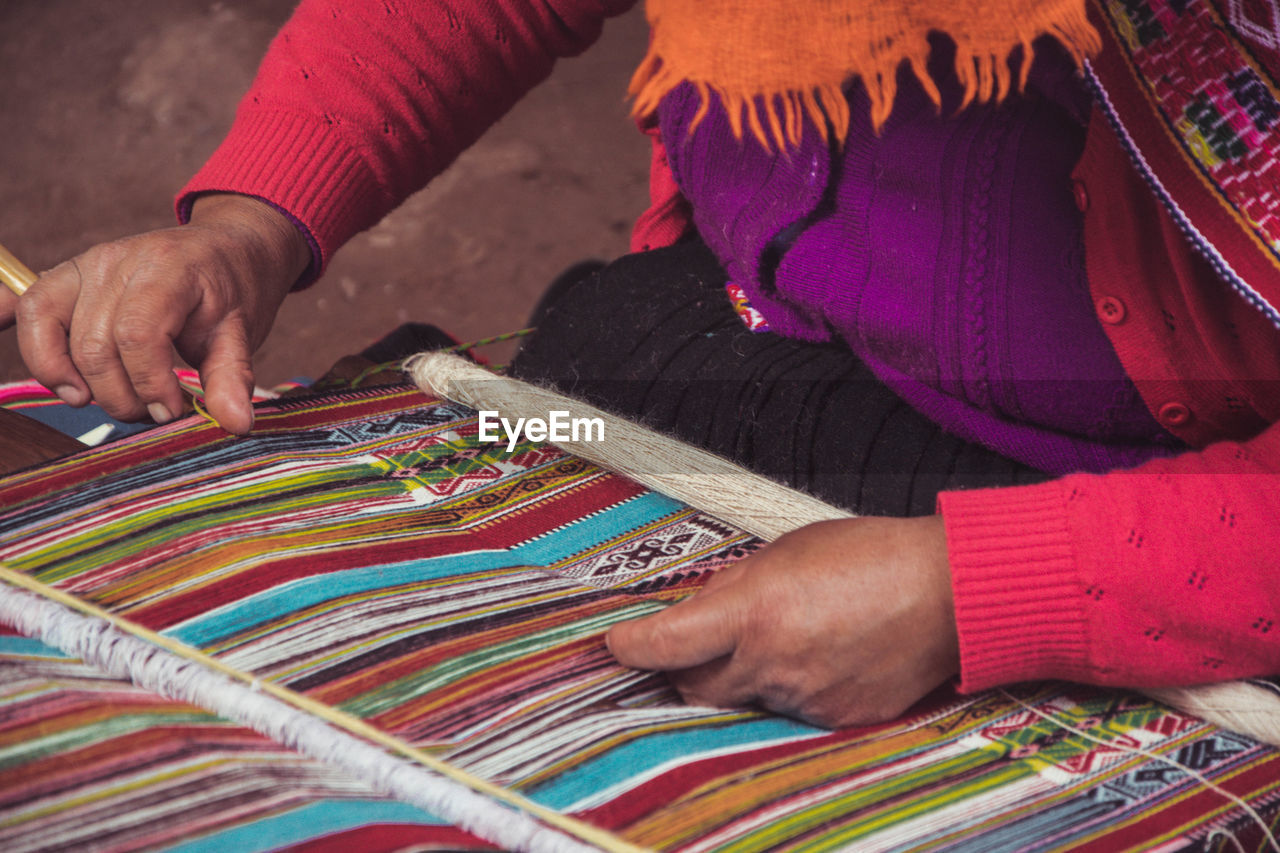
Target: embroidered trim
{"x": 1197, "y": 239}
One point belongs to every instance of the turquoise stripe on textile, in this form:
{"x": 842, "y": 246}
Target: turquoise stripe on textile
{"x": 310, "y": 821}
{"x": 637, "y": 757}
{"x": 26, "y": 646}
{"x": 211, "y": 627}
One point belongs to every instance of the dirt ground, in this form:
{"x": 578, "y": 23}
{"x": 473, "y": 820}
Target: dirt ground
{"x": 109, "y": 107}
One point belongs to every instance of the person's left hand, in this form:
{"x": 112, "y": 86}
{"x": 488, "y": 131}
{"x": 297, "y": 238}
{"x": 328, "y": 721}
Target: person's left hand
{"x": 838, "y": 623}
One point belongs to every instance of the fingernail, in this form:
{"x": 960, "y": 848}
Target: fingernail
{"x": 71, "y": 395}
{"x": 159, "y": 413}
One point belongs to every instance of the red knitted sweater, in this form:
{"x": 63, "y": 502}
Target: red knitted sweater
{"x": 1168, "y": 574}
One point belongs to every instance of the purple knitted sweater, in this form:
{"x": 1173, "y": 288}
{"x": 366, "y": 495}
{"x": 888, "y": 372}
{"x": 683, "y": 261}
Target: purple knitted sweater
{"x": 945, "y": 251}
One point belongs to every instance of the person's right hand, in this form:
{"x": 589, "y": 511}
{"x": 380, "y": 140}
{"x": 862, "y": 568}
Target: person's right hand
{"x": 104, "y": 325}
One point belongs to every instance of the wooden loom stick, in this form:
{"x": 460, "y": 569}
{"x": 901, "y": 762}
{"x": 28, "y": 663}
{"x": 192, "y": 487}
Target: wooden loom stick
{"x": 14, "y": 273}
{"x": 599, "y": 838}
{"x": 754, "y": 503}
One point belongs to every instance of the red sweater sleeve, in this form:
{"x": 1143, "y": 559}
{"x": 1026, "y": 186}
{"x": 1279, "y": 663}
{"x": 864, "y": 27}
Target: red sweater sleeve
{"x": 1166, "y": 574}
{"x": 358, "y": 103}
{"x": 1169, "y": 573}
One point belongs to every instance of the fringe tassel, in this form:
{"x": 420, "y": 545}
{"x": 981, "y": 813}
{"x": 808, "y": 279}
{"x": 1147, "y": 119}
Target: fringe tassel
{"x": 773, "y": 111}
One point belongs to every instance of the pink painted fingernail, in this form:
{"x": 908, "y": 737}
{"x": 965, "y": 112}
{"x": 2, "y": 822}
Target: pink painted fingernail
{"x": 159, "y": 413}
{"x": 71, "y": 395}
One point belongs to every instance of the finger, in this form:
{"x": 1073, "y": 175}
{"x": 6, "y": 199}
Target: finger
{"x": 96, "y": 352}
{"x": 721, "y": 683}
{"x": 44, "y": 322}
{"x": 227, "y": 375}
{"x": 8, "y": 305}
{"x": 695, "y": 631}
{"x": 149, "y": 318}
{"x": 723, "y": 577}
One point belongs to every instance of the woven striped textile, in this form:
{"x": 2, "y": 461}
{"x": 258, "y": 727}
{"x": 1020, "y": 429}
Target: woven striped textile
{"x": 365, "y": 550}
{"x": 90, "y": 761}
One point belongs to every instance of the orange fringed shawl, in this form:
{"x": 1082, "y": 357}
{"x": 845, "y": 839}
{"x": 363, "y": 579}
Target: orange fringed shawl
{"x": 783, "y": 60}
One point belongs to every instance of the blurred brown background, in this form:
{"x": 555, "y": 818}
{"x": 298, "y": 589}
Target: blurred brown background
{"x": 109, "y": 107}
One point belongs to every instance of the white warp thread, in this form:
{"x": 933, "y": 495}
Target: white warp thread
{"x": 752, "y": 502}
{"x": 1234, "y": 705}
{"x": 120, "y": 655}
{"x": 1164, "y": 759}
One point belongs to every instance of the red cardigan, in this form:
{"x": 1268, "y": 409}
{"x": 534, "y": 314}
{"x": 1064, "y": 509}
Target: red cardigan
{"x": 1168, "y": 574}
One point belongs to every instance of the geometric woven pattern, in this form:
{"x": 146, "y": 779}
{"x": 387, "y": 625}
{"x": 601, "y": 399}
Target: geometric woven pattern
{"x": 366, "y": 550}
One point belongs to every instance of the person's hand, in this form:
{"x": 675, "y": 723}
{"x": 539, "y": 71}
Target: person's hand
{"x": 104, "y": 325}
{"x": 8, "y": 305}
{"x": 838, "y": 623}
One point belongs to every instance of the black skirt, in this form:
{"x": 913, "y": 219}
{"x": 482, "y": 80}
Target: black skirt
{"x": 653, "y": 337}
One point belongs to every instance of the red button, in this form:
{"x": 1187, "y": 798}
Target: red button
{"x": 1082, "y": 195}
{"x": 1111, "y": 310}
{"x": 1174, "y": 414}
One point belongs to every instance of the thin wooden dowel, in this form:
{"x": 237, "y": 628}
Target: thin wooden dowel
{"x": 16, "y": 275}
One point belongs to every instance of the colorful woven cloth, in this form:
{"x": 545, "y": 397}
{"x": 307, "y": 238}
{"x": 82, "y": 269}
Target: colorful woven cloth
{"x": 367, "y": 551}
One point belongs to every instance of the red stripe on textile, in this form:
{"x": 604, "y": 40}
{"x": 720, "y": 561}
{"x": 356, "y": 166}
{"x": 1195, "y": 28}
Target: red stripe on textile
{"x": 74, "y": 471}
{"x": 1170, "y": 816}
{"x": 107, "y": 761}
{"x": 642, "y": 801}
{"x": 389, "y": 837}
{"x": 473, "y": 688}
{"x": 286, "y": 416}
{"x": 505, "y": 532}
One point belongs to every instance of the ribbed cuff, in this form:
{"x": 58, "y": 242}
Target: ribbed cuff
{"x": 1019, "y": 606}
{"x": 305, "y": 170}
